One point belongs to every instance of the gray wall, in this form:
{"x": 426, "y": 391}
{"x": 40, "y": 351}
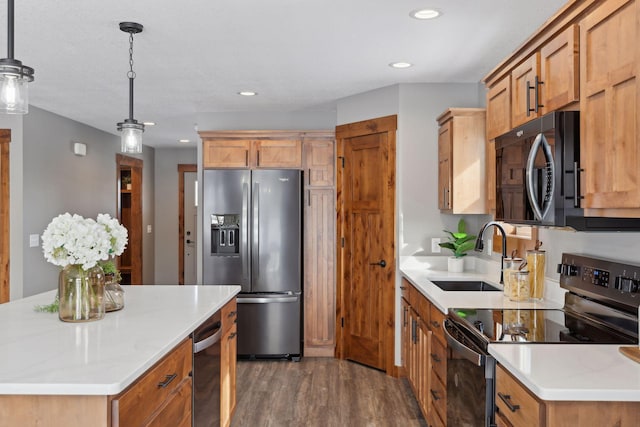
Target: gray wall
{"x": 56, "y": 181}
{"x": 166, "y": 210}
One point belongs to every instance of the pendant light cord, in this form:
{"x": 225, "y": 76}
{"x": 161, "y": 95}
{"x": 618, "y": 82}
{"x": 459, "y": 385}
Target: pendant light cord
{"x": 131, "y": 75}
{"x": 10, "y": 29}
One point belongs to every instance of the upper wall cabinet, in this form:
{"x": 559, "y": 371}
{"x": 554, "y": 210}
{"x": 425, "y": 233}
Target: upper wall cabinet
{"x": 547, "y": 80}
{"x": 247, "y": 153}
{"x": 609, "y": 106}
{"x": 461, "y": 161}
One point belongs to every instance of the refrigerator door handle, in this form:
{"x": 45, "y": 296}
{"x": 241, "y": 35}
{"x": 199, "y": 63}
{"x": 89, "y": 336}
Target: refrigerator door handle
{"x": 244, "y": 233}
{"x": 255, "y": 250}
{"x": 266, "y": 300}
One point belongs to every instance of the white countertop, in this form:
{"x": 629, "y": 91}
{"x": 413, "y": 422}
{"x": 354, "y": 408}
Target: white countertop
{"x": 42, "y": 355}
{"x": 577, "y": 372}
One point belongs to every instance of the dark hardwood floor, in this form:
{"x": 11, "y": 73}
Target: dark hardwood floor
{"x": 321, "y": 392}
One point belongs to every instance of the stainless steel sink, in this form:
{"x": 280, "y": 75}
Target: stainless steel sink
{"x": 464, "y": 285}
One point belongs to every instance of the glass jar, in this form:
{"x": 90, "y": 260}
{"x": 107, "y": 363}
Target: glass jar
{"x": 535, "y": 262}
{"x": 519, "y": 286}
{"x": 81, "y": 293}
{"x": 113, "y": 295}
{"x": 510, "y": 265}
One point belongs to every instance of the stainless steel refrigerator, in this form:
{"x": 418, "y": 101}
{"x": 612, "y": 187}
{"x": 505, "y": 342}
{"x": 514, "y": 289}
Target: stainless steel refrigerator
{"x": 253, "y": 238}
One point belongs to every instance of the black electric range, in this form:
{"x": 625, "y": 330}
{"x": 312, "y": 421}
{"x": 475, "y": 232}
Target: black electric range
{"x": 601, "y": 307}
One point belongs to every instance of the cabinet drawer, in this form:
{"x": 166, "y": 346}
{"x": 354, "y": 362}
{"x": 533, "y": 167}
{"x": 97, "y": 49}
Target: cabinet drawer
{"x": 438, "y": 358}
{"x": 438, "y": 395}
{"x": 177, "y": 411}
{"x": 435, "y": 323}
{"x": 229, "y": 314}
{"x": 423, "y": 307}
{"x": 514, "y": 402}
{"x": 136, "y": 404}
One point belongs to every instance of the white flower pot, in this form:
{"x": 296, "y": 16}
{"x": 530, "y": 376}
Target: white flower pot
{"x": 455, "y": 265}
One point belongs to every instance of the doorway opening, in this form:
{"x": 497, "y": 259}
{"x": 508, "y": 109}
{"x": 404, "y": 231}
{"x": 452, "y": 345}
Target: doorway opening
{"x": 129, "y": 176}
{"x": 187, "y": 223}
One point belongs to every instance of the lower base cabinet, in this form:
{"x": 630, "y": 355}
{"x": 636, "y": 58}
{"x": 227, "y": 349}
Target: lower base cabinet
{"x": 516, "y": 406}
{"x": 228, "y": 357}
{"x": 424, "y": 354}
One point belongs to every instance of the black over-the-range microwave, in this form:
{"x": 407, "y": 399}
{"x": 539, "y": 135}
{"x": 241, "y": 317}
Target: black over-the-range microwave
{"x": 538, "y": 176}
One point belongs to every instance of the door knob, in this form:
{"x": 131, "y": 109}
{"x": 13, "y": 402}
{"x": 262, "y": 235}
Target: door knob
{"x": 189, "y": 241}
{"x": 381, "y": 263}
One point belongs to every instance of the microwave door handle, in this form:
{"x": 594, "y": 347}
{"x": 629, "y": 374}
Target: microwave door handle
{"x": 538, "y": 211}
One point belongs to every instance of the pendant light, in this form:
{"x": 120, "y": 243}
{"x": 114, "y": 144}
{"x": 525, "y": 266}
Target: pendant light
{"x": 131, "y": 136}
{"x": 14, "y": 77}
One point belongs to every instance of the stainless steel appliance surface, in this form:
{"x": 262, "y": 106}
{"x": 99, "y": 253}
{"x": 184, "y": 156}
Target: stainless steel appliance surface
{"x": 253, "y": 238}
{"x": 601, "y": 307}
{"x": 538, "y": 176}
{"x": 206, "y": 373}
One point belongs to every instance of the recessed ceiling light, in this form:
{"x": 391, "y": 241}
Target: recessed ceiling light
{"x": 247, "y": 93}
{"x": 184, "y": 141}
{"x": 400, "y": 65}
{"x": 149, "y": 123}
{"x": 424, "y": 14}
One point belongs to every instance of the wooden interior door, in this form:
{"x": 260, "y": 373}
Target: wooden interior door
{"x": 130, "y": 216}
{"x": 367, "y": 242}
{"x": 5, "y": 138}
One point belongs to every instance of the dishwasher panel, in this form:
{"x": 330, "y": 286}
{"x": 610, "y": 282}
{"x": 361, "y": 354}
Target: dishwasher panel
{"x": 206, "y": 373}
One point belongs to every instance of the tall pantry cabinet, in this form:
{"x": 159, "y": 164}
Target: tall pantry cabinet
{"x": 314, "y": 153}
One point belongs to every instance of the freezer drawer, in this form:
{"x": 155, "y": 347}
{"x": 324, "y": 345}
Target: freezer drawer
{"x": 269, "y": 325}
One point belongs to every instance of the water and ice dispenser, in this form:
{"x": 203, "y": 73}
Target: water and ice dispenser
{"x": 225, "y": 234}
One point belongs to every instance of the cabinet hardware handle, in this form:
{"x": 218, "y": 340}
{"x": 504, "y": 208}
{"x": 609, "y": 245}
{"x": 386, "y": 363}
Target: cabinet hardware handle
{"x": 404, "y": 316}
{"x": 309, "y": 176}
{"x": 435, "y": 358}
{"x": 309, "y": 197}
{"x": 528, "y": 98}
{"x": 576, "y": 185}
{"x": 167, "y": 380}
{"x": 507, "y": 401}
{"x": 382, "y": 263}
{"x": 536, "y": 95}
{"x": 414, "y": 331}
{"x": 232, "y": 335}
{"x": 434, "y": 394}
{"x": 403, "y": 288}
{"x": 258, "y": 158}
{"x": 232, "y": 313}
{"x": 246, "y": 157}
{"x": 435, "y": 324}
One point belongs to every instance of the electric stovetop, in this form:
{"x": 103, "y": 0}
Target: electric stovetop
{"x": 536, "y": 326}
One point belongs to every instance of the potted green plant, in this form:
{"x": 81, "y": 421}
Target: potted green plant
{"x": 459, "y": 243}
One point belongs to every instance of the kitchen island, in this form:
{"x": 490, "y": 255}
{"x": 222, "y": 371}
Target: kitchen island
{"x": 54, "y": 364}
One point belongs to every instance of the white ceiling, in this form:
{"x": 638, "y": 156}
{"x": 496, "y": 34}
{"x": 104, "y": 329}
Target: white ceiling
{"x": 299, "y": 55}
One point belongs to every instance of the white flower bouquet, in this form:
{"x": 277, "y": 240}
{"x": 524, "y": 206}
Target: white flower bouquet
{"x": 83, "y": 241}
{"x": 77, "y": 245}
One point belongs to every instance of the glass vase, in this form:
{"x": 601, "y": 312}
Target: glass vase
{"x": 113, "y": 294}
{"x": 81, "y": 294}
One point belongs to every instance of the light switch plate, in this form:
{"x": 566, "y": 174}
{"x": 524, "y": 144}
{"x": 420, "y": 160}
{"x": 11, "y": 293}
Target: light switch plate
{"x": 149, "y": 228}
{"x": 435, "y": 248}
{"x": 34, "y": 240}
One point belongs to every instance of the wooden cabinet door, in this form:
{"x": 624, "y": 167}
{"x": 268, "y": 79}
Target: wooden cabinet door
{"x": 406, "y": 335}
{"x": 523, "y": 90}
{"x": 319, "y": 272}
{"x": 228, "y": 356}
{"x": 445, "y": 137}
{"x": 609, "y": 107}
{"x": 319, "y": 162}
{"x": 226, "y": 154}
{"x": 424, "y": 374}
{"x": 499, "y": 108}
{"x": 559, "y": 70}
{"x": 273, "y": 153}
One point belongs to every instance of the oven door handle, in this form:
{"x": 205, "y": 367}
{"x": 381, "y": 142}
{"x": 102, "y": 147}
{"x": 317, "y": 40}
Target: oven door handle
{"x": 540, "y": 212}
{"x": 469, "y": 354}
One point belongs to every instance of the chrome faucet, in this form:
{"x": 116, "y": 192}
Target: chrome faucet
{"x": 480, "y": 244}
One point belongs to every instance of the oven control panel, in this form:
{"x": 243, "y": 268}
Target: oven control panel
{"x": 596, "y": 276}
{"x": 601, "y": 279}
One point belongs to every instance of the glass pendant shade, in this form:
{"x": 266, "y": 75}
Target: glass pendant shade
{"x": 14, "y": 94}
{"x": 131, "y": 139}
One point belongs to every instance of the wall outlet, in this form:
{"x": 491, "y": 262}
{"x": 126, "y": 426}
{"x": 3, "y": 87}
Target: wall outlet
{"x": 34, "y": 240}
{"x": 435, "y": 248}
